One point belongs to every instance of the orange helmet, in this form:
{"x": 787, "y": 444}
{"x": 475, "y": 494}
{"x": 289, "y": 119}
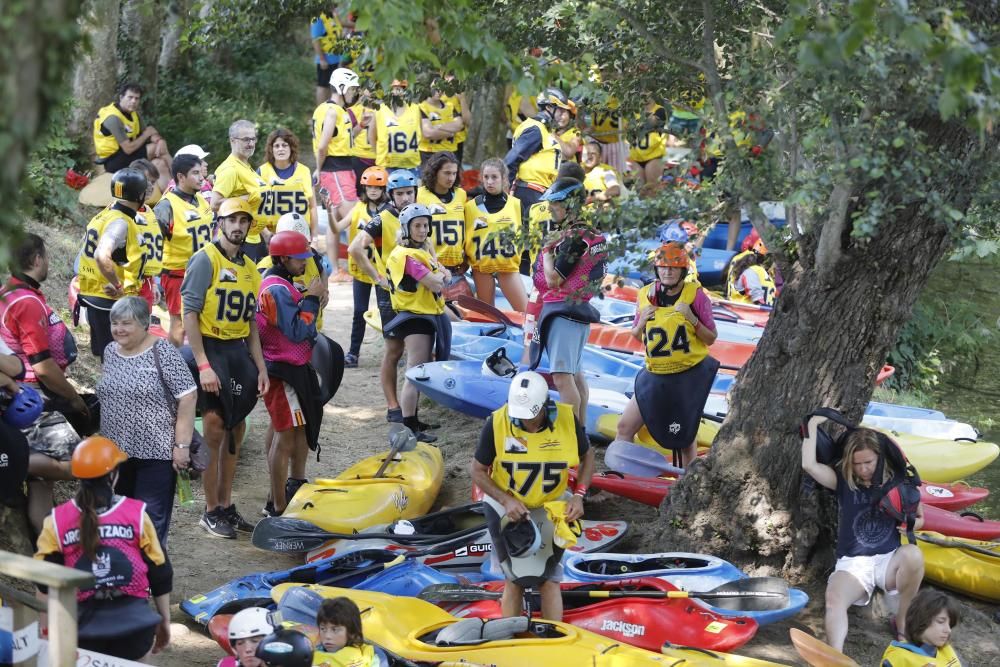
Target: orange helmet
{"x": 95, "y": 457}
{"x": 376, "y": 177}
{"x": 759, "y": 247}
{"x": 691, "y": 228}
{"x": 672, "y": 255}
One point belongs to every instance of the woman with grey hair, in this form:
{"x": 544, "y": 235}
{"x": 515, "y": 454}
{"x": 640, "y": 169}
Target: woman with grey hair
{"x": 148, "y": 400}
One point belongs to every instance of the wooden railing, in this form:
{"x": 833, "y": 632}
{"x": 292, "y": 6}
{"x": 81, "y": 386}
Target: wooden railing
{"x": 63, "y": 583}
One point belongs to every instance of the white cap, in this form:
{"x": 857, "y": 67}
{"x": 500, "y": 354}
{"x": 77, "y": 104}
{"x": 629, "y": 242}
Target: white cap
{"x": 192, "y": 149}
{"x": 294, "y": 222}
{"x": 527, "y": 396}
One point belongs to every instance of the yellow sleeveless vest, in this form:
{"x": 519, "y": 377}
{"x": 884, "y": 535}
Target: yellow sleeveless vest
{"x": 231, "y": 299}
{"x": 349, "y": 656}
{"x": 766, "y": 281}
{"x": 448, "y": 228}
{"x": 152, "y": 241}
{"x": 437, "y": 116}
{"x": 534, "y": 467}
{"x": 192, "y": 229}
{"x": 899, "y": 656}
{"x": 333, "y": 30}
{"x": 671, "y": 343}
{"x": 128, "y": 261}
{"x": 281, "y": 196}
{"x": 398, "y": 141}
{"x": 407, "y": 294}
{"x": 361, "y": 146}
{"x": 359, "y": 218}
{"x": 542, "y": 167}
{"x": 341, "y": 142}
{"x": 486, "y": 250}
{"x": 105, "y": 144}
{"x": 651, "y": 145}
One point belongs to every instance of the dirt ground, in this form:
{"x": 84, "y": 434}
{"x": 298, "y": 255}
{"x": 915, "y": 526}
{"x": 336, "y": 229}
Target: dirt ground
{"x": 354, "y": 427}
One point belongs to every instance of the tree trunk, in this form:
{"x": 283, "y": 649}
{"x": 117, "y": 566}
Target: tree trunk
{"x": 487, "y": 135}
{"x": 173, "y": 28}
{"x": 827, "y": 338}
{"x": 95, "y": 73}
{"x": 139, "y": 46}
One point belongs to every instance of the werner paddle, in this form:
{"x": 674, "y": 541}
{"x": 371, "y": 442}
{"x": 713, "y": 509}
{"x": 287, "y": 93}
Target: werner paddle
{"x": 290, "y": 535}
{"x": 752, "y": 594}
{"x": 632, "y": 459}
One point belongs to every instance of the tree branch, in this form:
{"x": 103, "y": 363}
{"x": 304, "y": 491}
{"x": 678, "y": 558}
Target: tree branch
{"x": 828, "y": 250}
{"x": 650, "y": 37}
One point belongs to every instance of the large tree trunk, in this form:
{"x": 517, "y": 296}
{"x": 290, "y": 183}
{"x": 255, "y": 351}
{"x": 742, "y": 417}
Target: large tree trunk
{"x": 828, "y": 337}
{"x": 487, "y": 133}
{"x": 173, "y": 28}
{"x": 139, "y": 46}
{"x": 95, "y": 72}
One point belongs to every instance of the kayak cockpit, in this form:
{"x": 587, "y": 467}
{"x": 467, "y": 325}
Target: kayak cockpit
{"x": 476, "y": 631}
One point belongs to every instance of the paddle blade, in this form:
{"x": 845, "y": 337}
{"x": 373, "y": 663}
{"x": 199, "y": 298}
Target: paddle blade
{"x": 632, "y": 459}
{"x": 751, "y": 594}
{"x": 817, "y": 653}
{"x": 401, "y": 438}
{"x": 456, "y": 593}
{"x": 288, "y": 535}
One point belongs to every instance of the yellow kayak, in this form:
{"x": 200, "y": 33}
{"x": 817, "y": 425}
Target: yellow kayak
{"x": 354, "y": 500}
{"x": 963, "y": 570}
{"x": 412, "y": 628}
{"x": 938, "y": 461}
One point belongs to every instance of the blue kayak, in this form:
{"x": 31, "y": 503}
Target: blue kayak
{"x": 688, "y": 571}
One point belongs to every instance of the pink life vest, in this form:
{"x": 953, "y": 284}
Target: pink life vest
{"x": 119, "y": 567}
{"x": 587, "y": 273}
{"x": 62, "y": 345}
{"x": 274, "y": 344}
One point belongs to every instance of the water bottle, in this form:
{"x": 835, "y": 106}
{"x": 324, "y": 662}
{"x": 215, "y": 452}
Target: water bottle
{"x": 184, "y": 495}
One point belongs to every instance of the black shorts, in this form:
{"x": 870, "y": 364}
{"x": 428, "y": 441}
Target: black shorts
{"x": 120, "y": 159}
{"x": 414, "y": 327}
{"x": 323, "y": 75}
{"x": 360, "y": 164}
{"x": 99, "y": 320}
{"x": 386, "y": 312}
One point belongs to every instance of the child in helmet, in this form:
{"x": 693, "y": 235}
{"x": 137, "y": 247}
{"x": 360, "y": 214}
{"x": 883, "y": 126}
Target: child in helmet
{"x": 285, "y": 648}
{"x": 749, "y": 281}
{"x": 246, "y": 630}
{"x": 341, "y": 639}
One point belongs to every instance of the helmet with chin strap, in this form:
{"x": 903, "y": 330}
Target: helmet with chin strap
{"x": 401, "y": 178}
{"x": 410, "y": 213}
{"x": 129, "y": 185}
{"x": 548, "y": 101}
{"x": 342, "y": 79}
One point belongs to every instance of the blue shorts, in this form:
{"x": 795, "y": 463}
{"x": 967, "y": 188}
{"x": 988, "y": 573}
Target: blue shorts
{"x": 564, "y": 341}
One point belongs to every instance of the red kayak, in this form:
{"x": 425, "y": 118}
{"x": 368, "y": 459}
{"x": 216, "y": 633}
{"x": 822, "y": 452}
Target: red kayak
{"x": 970, "y": 526}
{"x": 643, "y": 622}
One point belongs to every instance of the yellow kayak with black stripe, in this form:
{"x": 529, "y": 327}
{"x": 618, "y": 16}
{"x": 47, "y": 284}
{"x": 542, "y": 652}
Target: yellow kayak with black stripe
{"x": 970, "y": 567}
{"x": 938, "y": 461}
{"x": 422, "y": 632}
{"x": 355, "y": 499}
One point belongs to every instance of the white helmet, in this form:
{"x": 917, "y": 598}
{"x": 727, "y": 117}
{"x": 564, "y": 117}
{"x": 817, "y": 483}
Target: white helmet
{"x": 528, "y": 394}
{"x": 294, "y": 222}
{"x": 251, "y": 622}
{"x": 342, "y": 79}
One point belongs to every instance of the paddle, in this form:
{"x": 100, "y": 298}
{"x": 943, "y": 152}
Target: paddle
{"x": 955, "y": 544}
{"x": 472, "y": 303}
{"x": 752, "y": 594}
{"x": 817, "y": 653}
{"x": 401, "y": 439}
{"x": 632, "y": 459}
{"x": 290, "y": 535}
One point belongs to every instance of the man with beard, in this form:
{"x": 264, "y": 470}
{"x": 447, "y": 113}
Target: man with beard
{"x": 219, "y": 293}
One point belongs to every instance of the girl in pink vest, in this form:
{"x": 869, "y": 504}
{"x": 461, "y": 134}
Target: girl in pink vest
{"x": 112, "y": 538}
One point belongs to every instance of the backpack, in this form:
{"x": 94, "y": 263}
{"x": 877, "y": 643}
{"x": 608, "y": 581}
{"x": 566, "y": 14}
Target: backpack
{"x": 900, "y": 496}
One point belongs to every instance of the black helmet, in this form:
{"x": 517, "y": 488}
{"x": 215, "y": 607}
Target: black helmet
{"x": 285, "y": 648}
{"x": 129, "y": 185}
{"x": 553, "y": 97}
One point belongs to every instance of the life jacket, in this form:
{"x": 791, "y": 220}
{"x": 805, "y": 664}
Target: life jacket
{"x": 900, "y": 496}
{"x": 275, "y": 345}
{"x": 587, "y": 274}
{"x": 62, "y": 344}
{"x": 904, "y": 654}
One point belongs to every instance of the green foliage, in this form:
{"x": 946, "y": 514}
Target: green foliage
{"x": 44, "y": 193}
{"x": 265, "y": 82}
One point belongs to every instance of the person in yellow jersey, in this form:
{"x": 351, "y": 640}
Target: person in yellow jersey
{"x": 113, "y": 256}
{"x": 649, "y": 149}
{"x": 185, "y": 218}
{"x": 440, "y": 192}
{"x": 416, "y": 281}
{"x": 370, "y": 251}
{"x": 396, "y": 131}
{"x": 220, "y": 300}
{"x": 236, "y": 178}
{"x": 288, "y": 183}
{"x": 522, "y": 462}
{"x": 517, "y": 110}
{"x": 535, "y": 155}
{"x": 374, "y": 181}
{"x": 604, "y": 123}
{"x": 674, "y": 320}
{"x": 747, "y": 280}
{"x": 326, "y": 31}
{"x": 601, "y": 182}
{"x": 333, "y": 145}
{"x": 362, "y": 115}
{"x": 493, "y": 225}
{"x": 930, "y": 620}
{"x": 460, "y": 109}
{"x": 439, "y": 125}
{"x": 120, "y": 139}
{"x": 568, "y": 134}
{"x": 152, "y": 235}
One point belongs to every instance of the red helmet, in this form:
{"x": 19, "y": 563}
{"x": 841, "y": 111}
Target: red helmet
{"x": 376, "y": 177}
{"x": 672, "y": 255}
{"x": 691, "y": 228}
{"x": 289, "y": 244}
{"x": 750, "y": 240}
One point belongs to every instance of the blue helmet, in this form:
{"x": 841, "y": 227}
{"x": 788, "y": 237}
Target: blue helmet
{"x": 401, "y": 178}
{"x": 25, "y": 407}
{"x": 409, "y": 214}
{"x": 562, "y": 189}
{"x": 672, "y": 232}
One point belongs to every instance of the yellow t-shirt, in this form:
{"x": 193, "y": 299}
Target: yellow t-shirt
{"x": 236, "y": 178}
